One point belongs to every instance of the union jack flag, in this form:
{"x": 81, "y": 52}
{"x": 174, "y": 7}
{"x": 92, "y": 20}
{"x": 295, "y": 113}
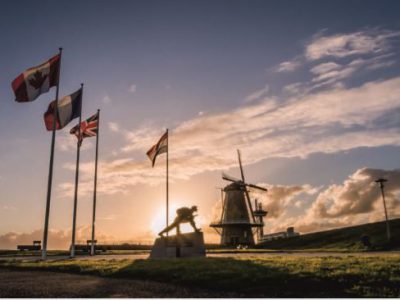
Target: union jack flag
{"x": 89, "y": 128}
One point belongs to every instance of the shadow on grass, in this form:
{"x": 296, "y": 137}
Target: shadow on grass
{"x": 244, "y": 277}
{"x": 277, "y": 277}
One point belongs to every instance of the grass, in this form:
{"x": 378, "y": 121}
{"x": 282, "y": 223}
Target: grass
{"x": 348, "y": 238}
{"x": 278, "y": 276}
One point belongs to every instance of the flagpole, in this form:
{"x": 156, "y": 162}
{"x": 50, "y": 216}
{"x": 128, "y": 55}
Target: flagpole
{"x": 50, "y": 176}
{"x": 92, "y": 250}
{"x": 78, "y": 150}
{"x": 167, "y": 187}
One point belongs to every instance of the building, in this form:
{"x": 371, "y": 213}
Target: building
{"x": 279, "y": 235}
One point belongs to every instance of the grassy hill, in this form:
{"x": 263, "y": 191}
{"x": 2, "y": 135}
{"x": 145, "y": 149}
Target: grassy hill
{"x": 347, "y": 238}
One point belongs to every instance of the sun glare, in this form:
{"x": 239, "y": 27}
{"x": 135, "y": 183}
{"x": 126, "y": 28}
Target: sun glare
{"x": 158, "y": 223}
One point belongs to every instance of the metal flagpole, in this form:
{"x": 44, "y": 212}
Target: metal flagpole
{"x": 92, "y": 250}
{"x": 167, "y": 187}
{"x": 78, "y": 148}
{"x": 50, "y": 176}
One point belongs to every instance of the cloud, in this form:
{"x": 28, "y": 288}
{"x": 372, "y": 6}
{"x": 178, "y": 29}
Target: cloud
{"x": 356, "y": 201}
{"x": 107, "y": 99}
{"x": 331, "y": 72}
{"x": 110, "y": 217}
{"x": 132, "y": 88}
{"x": 381, "y": 64}
{"x": 358, "y": 194}
{"x": 279, "y": 197}
{"x": 114, "y": 127}
{"x": 257, "y": 94}
{"x": 328, "y": 121}
{"x": 325, "y": 67}
{"x": 295, "y": 88}
{"x": 334, "y": 58}
{"x": 143, "y": 137}
{"x": 57, "y": 239}
{"x": 289, "y": 66}
{"x": 8, "y": 207}
{"x": 343, "y": 45}
{"x": 67, "y": 142}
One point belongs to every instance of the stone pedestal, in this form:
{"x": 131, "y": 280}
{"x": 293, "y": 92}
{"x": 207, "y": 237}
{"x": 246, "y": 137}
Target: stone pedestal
{"x": 183, "y": 245}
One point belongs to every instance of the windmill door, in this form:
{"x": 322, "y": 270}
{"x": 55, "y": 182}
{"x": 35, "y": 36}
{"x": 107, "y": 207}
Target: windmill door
{"x": 234, "y": 240}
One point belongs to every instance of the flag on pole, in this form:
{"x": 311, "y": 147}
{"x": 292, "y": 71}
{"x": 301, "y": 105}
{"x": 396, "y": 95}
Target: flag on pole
{"x": 35, "y": 81}
{"x": 89, "y": 128}
{"x": 159, "y": 148}
{"x": 69, "y": 108}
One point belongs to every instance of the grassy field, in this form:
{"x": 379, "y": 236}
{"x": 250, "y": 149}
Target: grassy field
{"x": 347, "y": 238}
{"x": 278, "y": 276}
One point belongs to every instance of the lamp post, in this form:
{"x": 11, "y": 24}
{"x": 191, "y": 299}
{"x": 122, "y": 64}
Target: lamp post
{"x": 381, "y": 182}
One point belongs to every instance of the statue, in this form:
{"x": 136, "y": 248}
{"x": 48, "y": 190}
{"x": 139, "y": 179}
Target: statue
{"x": 184, "y": 215}
{"x": 180, "y": 245}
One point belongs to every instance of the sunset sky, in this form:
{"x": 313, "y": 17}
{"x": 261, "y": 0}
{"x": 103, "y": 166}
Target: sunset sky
{"x": 308, "y": 90}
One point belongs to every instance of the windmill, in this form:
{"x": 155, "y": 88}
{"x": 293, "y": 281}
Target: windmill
{"x": 238, "y": 218}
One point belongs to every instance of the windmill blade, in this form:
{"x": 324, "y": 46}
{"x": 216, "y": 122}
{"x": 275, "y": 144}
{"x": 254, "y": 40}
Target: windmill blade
{"x": 223, "y": 205}
{"x": 229, "y": 178}
{"x": 240, "y": 165}
{"x": 246, "y": 192}
{"x": 256, "y": 187}
{"x": 245, "y": 189}
{"x": 222, "y": 202}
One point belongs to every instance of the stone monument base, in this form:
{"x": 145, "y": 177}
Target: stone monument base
{"x": 183, "y": 245}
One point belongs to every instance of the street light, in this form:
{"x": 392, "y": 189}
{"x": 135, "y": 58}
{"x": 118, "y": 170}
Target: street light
{"x": 381, "y": 182}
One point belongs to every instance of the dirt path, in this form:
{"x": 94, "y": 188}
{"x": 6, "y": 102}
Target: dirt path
{"x": 41, "y": 284}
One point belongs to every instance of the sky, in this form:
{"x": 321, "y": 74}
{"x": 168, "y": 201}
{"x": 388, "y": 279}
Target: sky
{"x": 308, "y": 91}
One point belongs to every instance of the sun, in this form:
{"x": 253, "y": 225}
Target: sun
{"x": 158, "y": 223}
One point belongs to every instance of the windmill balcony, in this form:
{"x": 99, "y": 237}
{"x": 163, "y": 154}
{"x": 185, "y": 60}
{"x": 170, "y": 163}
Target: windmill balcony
{"x": 237, "y": 222}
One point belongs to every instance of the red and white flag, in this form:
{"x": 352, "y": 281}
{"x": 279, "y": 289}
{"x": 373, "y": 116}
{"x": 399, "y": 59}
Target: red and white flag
{"x": 159, "y": 148}
{"x": 35, "y": 81}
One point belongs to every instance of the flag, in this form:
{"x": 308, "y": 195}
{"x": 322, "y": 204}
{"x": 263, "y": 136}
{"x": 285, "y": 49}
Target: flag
{"x": 89, "y": 128}
{"x": 69, "y": 108}
{"x": 159, "y": 148}
{"x": 35, "y": 81}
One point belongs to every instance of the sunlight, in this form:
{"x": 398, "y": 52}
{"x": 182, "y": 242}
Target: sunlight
{"x": 158, "y": 222}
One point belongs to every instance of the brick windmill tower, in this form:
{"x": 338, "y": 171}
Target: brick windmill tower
{"x": 238, "y": 220}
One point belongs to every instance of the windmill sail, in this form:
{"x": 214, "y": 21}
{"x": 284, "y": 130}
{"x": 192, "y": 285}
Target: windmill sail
{"x": 245, "y": 189}
{"x": 229, "y": 178}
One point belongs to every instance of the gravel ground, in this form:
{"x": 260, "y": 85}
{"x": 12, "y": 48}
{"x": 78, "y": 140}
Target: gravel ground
{"x": 43, "y": 284}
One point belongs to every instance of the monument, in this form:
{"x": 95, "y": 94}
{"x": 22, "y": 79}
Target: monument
{"x": 181, "y": 244}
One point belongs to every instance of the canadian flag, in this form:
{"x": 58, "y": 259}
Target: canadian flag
{"x": 35, "y": 81}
